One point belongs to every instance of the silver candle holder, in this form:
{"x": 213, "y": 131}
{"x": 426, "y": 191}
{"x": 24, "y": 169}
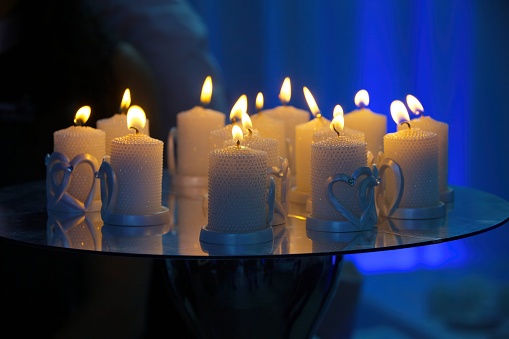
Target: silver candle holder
{"x": 389, "y": 204}
{"x": 71, "y": 184}
{"x": 365, "y": 180}
{"x": 109, "y": 196}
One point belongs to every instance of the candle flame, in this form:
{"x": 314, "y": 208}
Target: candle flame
{"x": 206, "y": 91}
{"x": 414, "y": 104}
{"x": 237, "y": 134}
{"x": 338, "y": 123}
{"x": 399, "y": 112}
{"x": 362, "y": 98}
{"x": 239, "y": 108}
{"x": 259, "y": 101}
{"x": 311, "y": 102}
{"x": 82, "y": 115}
{"x": 286, "y": 91}
{"x": 126, "y": 101}
{"x": 337, "y": 110}
{"x": 136, "y": 118}
{"x": 246, "y": 122}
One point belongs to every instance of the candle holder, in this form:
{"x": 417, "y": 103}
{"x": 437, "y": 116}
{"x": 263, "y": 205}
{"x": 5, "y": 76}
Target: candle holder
{"x": 282, "y": 173}
{"x": 179, "y": 182}
{"x": 71, "y": 185}
{"x": 109, "y": 195}
{"x": 235, "y": 235}
{"x": 81, "y": 231}
{"x": 447, "y": 196}
{"x": 388, "y": 204}
{"x": 365, "y": 180}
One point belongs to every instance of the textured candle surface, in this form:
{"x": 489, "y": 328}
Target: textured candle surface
{"x": 116, "y": 126}
{"x": 137, "y": 161}
{"x": 271, "y": 128}
{"x": 329, "y": 157}
{"x": 304, "y": 139}
{"x": 193, "y": 130}
{"x": 416, "y": 152}
{"x": 429, "y": 124}
{"x": 237, "y": 188}
{"x": 218, "y": 136}
{"x": 373, "y": 125}
{"x": 76, "y": 140}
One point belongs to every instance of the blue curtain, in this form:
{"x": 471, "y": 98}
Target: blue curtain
{"x": 452, "y": 55}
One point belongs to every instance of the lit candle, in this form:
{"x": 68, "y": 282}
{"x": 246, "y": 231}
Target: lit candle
{"x": 303, "y": 141}
{"x": 137, "y": 161}
{"x": 373, "y": 125}
{"x": 429, "y": 124}
{"x": 193, "y": 129}
{"x": 237, "y": 189}
{"x": 269, "y": 127}
{"x": 345, "y": 131}
{"x": 217, "y": 137}
{"x": 291, "y": 116}
{"x": 116, "y": 125}
{"x": 80, "y": 139}
{"x": 416, "y": 153}
{"x": 332, "y": 156}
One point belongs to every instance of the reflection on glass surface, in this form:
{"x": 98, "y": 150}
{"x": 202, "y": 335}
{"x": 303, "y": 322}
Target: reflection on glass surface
{"x": 134, "y": 239}
{"x": 80, "y": 231}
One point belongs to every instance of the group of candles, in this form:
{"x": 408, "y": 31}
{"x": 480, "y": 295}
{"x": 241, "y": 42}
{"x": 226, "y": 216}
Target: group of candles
{"x": 123, "y": 139}
{"x": 236, "y": 157}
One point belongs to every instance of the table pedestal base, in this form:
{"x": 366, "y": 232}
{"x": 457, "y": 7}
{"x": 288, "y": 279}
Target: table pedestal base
{"x": 254, "y": 298}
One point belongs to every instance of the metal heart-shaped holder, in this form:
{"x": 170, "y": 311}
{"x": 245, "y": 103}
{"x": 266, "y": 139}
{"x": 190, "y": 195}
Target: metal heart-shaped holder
{"x": 389, "y": 206}
{"x": 59, "y": 179}
{"x": 109, "y": 193}
{"x": 282, "y": 173}
{"x": 367, "y": 180}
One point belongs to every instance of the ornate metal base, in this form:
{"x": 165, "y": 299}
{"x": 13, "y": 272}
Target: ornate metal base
{"x": 447, "y": 196}
{"x": 158, "y": 218}
{"x": 212, "y": 237}
{"x": 418, "y": 213}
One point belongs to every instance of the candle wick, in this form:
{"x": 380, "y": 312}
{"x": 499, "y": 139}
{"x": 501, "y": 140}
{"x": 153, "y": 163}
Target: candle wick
{"x": 79, "y": 122}
{"x": 238, "y": 143}
{"x": 250, "y": 131}
{"x": 335, "y": 130}
{"x": 406, "y": 123}
{"x": 134, "y": 128}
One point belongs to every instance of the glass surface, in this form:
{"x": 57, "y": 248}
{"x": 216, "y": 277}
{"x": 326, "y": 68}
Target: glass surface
{"x": 24, "y": 218}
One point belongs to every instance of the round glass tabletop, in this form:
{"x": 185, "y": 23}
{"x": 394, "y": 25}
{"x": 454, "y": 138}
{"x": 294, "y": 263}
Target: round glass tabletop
{"x": 25, "y": 219}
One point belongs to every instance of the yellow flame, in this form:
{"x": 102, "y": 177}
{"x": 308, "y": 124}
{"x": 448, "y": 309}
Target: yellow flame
{"x": 414, "y": 104}
{"x": 337, "y": 110}
{"x": 246, "y": 121}
{"x": 237, "y": 133}
{"x": 126, "y": 101}
{"x": 286, "y": 91}
{"x": 82, "y": 115}
{"x": 311, "y": 102}
{"x": 338, "y": 123}
{"x": 399, "y": 112}
{"x": 361, "y": 98}
{"x": 206, "y": 91}
{"x": 239, "y": 108}
{"x": 259, "y": 101}
{"x": 136, "y": 118}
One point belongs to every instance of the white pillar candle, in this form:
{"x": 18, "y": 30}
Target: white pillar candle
{"x": 416, "y": 152}
{"x": 75, "y": 140}
{"x": 193, "y": 129}
{"x": 116, "y": 125}
{"x": 291, "y": 116}
{"x": 303, "y": 141}
{"x": 331, "y": 156}
{"x": 237, "y": 189}
{"x": 269, "y": 127}
{"x": 373, "y": 125}
{"x": 429, "y": 124}
{"x": 346, "y": 132}
{"x": 137, "y": 161}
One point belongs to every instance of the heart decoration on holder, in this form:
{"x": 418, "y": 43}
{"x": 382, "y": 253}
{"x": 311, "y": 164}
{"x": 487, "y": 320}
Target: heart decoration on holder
{"x": 59, "y": 173}
{"x": 385, "y": 207}
{"x": 365, "y": 194}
